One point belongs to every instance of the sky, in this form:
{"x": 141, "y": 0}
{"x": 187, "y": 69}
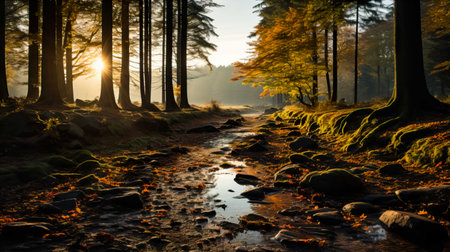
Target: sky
{"x": 234, "y": 22}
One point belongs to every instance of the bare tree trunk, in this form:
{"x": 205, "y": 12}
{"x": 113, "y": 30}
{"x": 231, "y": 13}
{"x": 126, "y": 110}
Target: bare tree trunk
{"x": 59, "y": 49}
{"x": 327, "y": 74}
{"x": 69, "y": 66}
{"x": 184, "y": 103}
{"x": 148, "y": 84}
{"x": 146, "y": 46}
{"x": 107, "y": 100}
{"x": 163, "y": 57}
{"x": 315, "y": 86}
{"x": 50, "y": 94}
{"x": 178, "y": 60}
{"x": 141, "y": 52}
{"x": 33, "y": 50}
{"x": 3, "y": 82}
{"x": 335, "y": 64}
{"x": 355, "y": 99}
{"x": 124, "y": 91}
{"x": 171, "y": 105}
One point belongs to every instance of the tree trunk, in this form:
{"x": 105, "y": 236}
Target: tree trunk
{"x": 178, "y": 60}
{"x": 33, "y": 50}
{"x": 356, "y": 54}
{"x": 50, "y": 94}
{"x": 59, "y": 49}
{"x": 148, "y": 84}
{"x": 315, "y": 85}
{"x": 327, "y": 74}
{"x": 171, "y": 105}
{"x": 184, "y": 103}
{"x": 141, "y": 52}
{"x": 335, "y": 64}
{"x": 3, "y": 82}
{"x": 163, "y": 55}
{"x": 146, "y": 46}
{"x": 378, "y": 80}
{"x": 69, "y": 66}
{"x": 124, "y": 91}
{"x": 410, "y": 91}
{"x": 107, "y": 100}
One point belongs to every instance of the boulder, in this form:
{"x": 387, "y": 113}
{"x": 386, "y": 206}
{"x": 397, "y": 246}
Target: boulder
{"x": 246, "y": 179}
{"x": 90, "y": 124}
{"x": 294, "y": 134}
{"x": 425, "y": 194}
{"x": 293, "y": 240}
{"x": 87, "y": 166}
{"x": 392, "y": 169}
{"x": 303, "y": 143}
{"x": 65, "y": 205}
{"x": 233, "y": 123}
{"x": 256, "y": 193}
{"x": 291, "y": 169}
{"x": 203, "y": 129}
{"x": 21, "y": 124}
{"x": 70, "y": 130}
{"x": 322, "y": 157}
{"x": 131, "y": 200}
{"x": 359, "y": 170}
{"x": 256, "y": 147}
{"x": 32, "y": 170}
{"x": 415, "y": 228}
{"x": 329, "y": 218}
{"x": 358, "y": 208}
{"x": 74, "y": 194}
{"x": 299, "y": 159}
{"x": 80, "y": 156}
{"x": 58, "y": 161}
{"x": 87, "y": 180}
{"x": 334, "y": 181}
{"x": 270, "y": 111}
{"x": 20, "y": 230}
{"x": 117, "y": 191}
{"x": 382, "y": 199}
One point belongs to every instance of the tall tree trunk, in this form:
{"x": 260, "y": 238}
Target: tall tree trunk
{"x": 146, "y": 46}
{"x": 171, "y": 105}
{"x": 107, "y": 100}
{"x": 124, "y": 91}
{"x": 68, "y": 45}
{"x": 59, "y": 49}
{"x": 184, "y": 103}
{"x": 410, "y": 91}
{"x": 355, "y": 99}
{"x": 315, "y": 86}
{"x": 33, "y": 50}
{"x": 148, "y": 84}
{"x": 327, "y": 74}
{"x": 50, "y": 94}
{"x": 178, "y": 60}
{"x": 3, "y": 82}
{"x": 141, "y": 52}
{"x": 335, "y": 64}
{"x": 163, "y": 55}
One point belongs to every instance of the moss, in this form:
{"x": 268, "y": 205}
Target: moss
{"x": 58, "y": 161}
{"x": 119, "y": 127}
{"x": 81, "y": 156}
{"x": 87, "y": 180}
{"x": 32, "y": 170}
{"x": 299, "y": 159}
{"x": 333, "y": 181}
{"x": 429, "y": 150}
{"x": 87, "y": 166}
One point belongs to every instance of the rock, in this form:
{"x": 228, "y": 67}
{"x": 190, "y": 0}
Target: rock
{"x": 256, "y": 222}
{"x": 415, "y": 227}
{"x": 131, "y": 200}
{"x": 230, "y": 226}
{"x": 293, "y": 240}
{"x": 289, "y": 212}
{"x": 74, "y": 194}
{"x": 334, "y": 181}
{"x": 32, "y": 170}
{"x": 117, "y": 191}
{"x": 285, "y": 184}
{"x": 158, "y": 241}
{"x": 65, "y": 205}
{"x": 329, "y": 218}
{"x": 70, "y": 130}
{"x": 270, "y": 111}
{"x": 320, "y": 210}
{"x": 257, "y": 193}
{"x": 58, "y": 161}
{"x": 260, "y": 137}
{"x": 201, "y": 220}
{"x": 90, "y": 124}
{"x": 87, "y": 166}
{"x": 425, "y": 194}
{"x": 358, "y": 208}
{"x": 203, "y": 129}
{"x": 134, "y": 183}
{"x": 233, "y": 123}
{"x": 209, "y": 213}
{"x": 74, "y": 145}
{"x": 65, "y": 176}
{"x": 294, "y": 134}
{"x": 299, "y": 159}
{"x": 359, "y": 170}
{"x": 87, "y": 180}
{"x": 180, "y": 150}
{"x": 47, "y": 208}
{"x": 322, "y": 157}
{"x": 382, "y": 199}
{"x": 256, "y": 147}
{"x": 246, "y": 179}
{"x": 226, "y": 165}
{"x": 21, "y": 124}
{"x": 19, "y": 230}
{"x": 303, "y": 143}
{"x": 85, "y": 103}
{"x": 291, "y": 169}
{"x": 392, "y": 169}
{"x": 81, "y": 156}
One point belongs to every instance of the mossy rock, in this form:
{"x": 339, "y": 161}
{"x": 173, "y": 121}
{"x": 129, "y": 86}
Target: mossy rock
{"x": 58, "y": 161}
{"x": 87, "y": 166}
{"x": 70, "y": 130}
{"x": 81, "y": 156}
{"x": 87, "y": 180}
{"x": 21, "y": 124}
{"x": 299, "y": 159}
{"x": 32, "y": 170}
{"x": 334, "y": 181}
{"x": 321, "y": 157}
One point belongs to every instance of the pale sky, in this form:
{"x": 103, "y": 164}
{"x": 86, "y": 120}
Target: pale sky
{"x": 234, "y": 22}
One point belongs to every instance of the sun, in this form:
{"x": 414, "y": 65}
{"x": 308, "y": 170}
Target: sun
{"x": 98, "y": 65}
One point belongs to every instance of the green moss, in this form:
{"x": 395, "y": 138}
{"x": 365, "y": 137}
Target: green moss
{"x": 87, "y": 180}
{"x": 81, "y": 156}
{"x": 87, "y": 166}
{"x": 428, "y": 151}
{"x": 58, "y": 161}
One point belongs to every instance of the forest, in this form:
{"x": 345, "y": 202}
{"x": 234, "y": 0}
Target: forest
{"x": 119, "y": 133}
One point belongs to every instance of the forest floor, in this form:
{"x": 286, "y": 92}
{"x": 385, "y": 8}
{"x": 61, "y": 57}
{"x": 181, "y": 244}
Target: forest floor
{"x": 247, "y": 187}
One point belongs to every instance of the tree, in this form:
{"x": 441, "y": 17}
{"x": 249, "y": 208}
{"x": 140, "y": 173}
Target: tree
{"x": 68, "y": 46}
{"x": 50, "y": 94}
{"x": 107, "y": 100}
{"x": 33, "y": 49}
{"x": 183, "y": 20}
{"x": 59, "y": 49}
{"x": 3, "y": 82}
{"x": 124, "y": 91}
{"x": 170, "y": 105}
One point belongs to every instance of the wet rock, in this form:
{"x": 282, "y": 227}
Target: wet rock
{"x": 19, "y": 230}
{"x": 158, "y": 241}
{"x": 203, "y": 129}
{"x": 74, "y": 194}
{"x": 62, "y": 176}
{"x": 293, "y": 240}
{"x": 329, "y": 218}
{"x": 358, "y": 208}
{"x": 322, "y": 157}
{"x": 230, "y": 226}
{"x": 32, "y": 170}
{"x": 392, "y": 169}
{"x": 21, "y": 124}
{"x": 209, "y": 213}
{"x": 70, "y": 130}
{"x": 294, "y": 134}
{"x": 270, "y": 111}
{"x": 233, "y": 123}
{"x": 201, "y": 220}
{"x": 320, "y": 210}
{"x": 254, "y": 193}
{"x": 58, "y": 161}
{"x": 47, "y": 208}
{"x": 289, "y": 212}
{"x": 117, "y": 191}
{"x": 334, "y": 181}
{"x": 303, "y": 143}
{"x": 131, "y": 200}
{"x": 415, "y": 227}
{"x": 134, "y": 183}
{"x": 382, "y": 199}
{"x": 226, "y": 165}
{"x": 359, "y": 170}
{"x": 425, "y": 194}
{"x": 87, "y": 166}
{"x": 291, "y": 169}
{"x": 285, "y": 184}
{"x": 87, "y": 180}
{"x": 256, "y": 222}
{"x": 246, "y": 179}
{"x": 65, "y": 205}
{"x": 299, "y": 159}
{"x": 257, "y": 147}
